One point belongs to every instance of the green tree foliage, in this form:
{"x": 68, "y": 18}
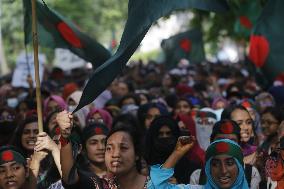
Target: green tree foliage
{"x": 98, "y": 18}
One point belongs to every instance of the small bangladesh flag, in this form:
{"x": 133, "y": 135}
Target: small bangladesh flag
{"x": 141, "y": 15}
{"x": 266, "y": 45}
{"x": 55, "y": 31}
{"x": 188, "y": 45}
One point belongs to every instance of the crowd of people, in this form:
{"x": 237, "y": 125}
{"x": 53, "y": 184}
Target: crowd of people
{"x": 192, "y": 126}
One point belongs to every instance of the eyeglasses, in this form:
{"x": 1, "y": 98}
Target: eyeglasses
{"x": 268, "y": 122}
{"x": 93, "y": 120}
{"x": 205, "y": 121}
{"x": 7, "y": 118}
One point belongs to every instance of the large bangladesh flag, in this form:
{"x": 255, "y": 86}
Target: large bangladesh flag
{"x": 246, "y": 13}
{"x": 188, "y": 45}
{"x": 266, "y": 45}
{"x": 141, "y": 15}
{"x": 56, "y": 31}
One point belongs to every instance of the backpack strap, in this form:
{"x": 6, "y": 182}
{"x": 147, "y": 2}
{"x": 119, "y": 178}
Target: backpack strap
{"x": 248, "y": 172}
{"x": 202, "y": 177}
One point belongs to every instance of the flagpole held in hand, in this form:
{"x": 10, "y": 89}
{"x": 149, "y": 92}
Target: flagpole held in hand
{"x": 35, "y": 47}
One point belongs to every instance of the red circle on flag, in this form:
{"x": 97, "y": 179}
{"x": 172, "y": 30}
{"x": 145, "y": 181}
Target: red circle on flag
{"x": 7, "y": 156}
{"x": 258, "y": 50}
{"x": 222, "y": 147}
{"x": 68, "y": 34}
{"x": 245, "y": 22}
{"x": 185, "y": 44}
{"x": 246, "y": 104}
{"x": 227, "y": 128}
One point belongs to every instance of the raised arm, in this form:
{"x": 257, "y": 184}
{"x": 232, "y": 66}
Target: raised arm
{"x": 184, "y": 144}
{"x": 64, "y": 120}
{"x": 44, "y": 142}
{"x": 160, "y": 175}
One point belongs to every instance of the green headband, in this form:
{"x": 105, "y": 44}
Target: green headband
{"x": 10, "y": 155}
{"x": 225, "y": 147}
{"x": 225, "y": 126}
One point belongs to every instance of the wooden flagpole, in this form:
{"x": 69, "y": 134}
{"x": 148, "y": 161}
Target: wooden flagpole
{"x": 36, "y": 63}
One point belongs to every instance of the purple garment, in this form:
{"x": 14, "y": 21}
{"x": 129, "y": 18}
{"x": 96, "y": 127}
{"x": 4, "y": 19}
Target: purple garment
{"x": 248, "y": 149}
{"x": 58, "y": 99}
{"x": 104, "y": 114}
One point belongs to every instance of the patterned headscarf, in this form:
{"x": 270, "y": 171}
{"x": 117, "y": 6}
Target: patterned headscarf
{"x": 227, "y": 147}
{"x": 82, "y": 113}
{"x": 58, "y": 99}
{"x": 107, "y": 119}
{"x": 204, "y": 122}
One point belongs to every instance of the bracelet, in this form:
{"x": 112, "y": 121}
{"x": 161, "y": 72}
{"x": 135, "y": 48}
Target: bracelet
{"x": 63, "y": 141}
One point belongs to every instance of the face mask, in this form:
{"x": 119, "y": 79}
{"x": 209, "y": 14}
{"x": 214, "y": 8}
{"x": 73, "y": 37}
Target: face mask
{"x": 71, "y": 108}
{"x": 165, "y": 145}
{"x": 12, "y": 102}
{"x": 22, "y": 96}
{"x": 7, "y": 127}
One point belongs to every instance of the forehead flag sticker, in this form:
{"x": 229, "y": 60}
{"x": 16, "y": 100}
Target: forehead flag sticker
{"x": 222, "y": 147}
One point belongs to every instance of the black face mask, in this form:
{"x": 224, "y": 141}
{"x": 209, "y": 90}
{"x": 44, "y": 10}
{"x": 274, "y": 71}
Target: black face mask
{"x": 7, "y": 127}
{"x": 162, "y": 148}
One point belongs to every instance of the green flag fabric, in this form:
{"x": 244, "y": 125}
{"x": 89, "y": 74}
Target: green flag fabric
{"x": 247, "y": 13}
{"x": 266, "y": 45}
{"x": 55, "y": 31}
{"x": 141, "y": 15}
{"x": 187, "y": 45}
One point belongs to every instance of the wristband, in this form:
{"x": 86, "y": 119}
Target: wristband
{"x": 63, "y": 141}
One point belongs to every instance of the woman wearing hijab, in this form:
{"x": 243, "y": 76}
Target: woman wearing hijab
{"x": 80, "y": 116}
{"x": 148, "y": 112}
{"x": 8, "y": 124}
{"x": 99, "y": 115}
{"x": 228, "y": 129}
{"x": 160, "y": 142}
{"x": 224, "y": 167}
{"x": 53, "y": 103}
{"x": 187, "y": 127}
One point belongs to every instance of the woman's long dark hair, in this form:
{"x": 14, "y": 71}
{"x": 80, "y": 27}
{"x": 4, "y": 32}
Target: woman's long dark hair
{"x": 17, "y": 141}
{"x": 52, "y": 174}
{"x": 227, "y": 114}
